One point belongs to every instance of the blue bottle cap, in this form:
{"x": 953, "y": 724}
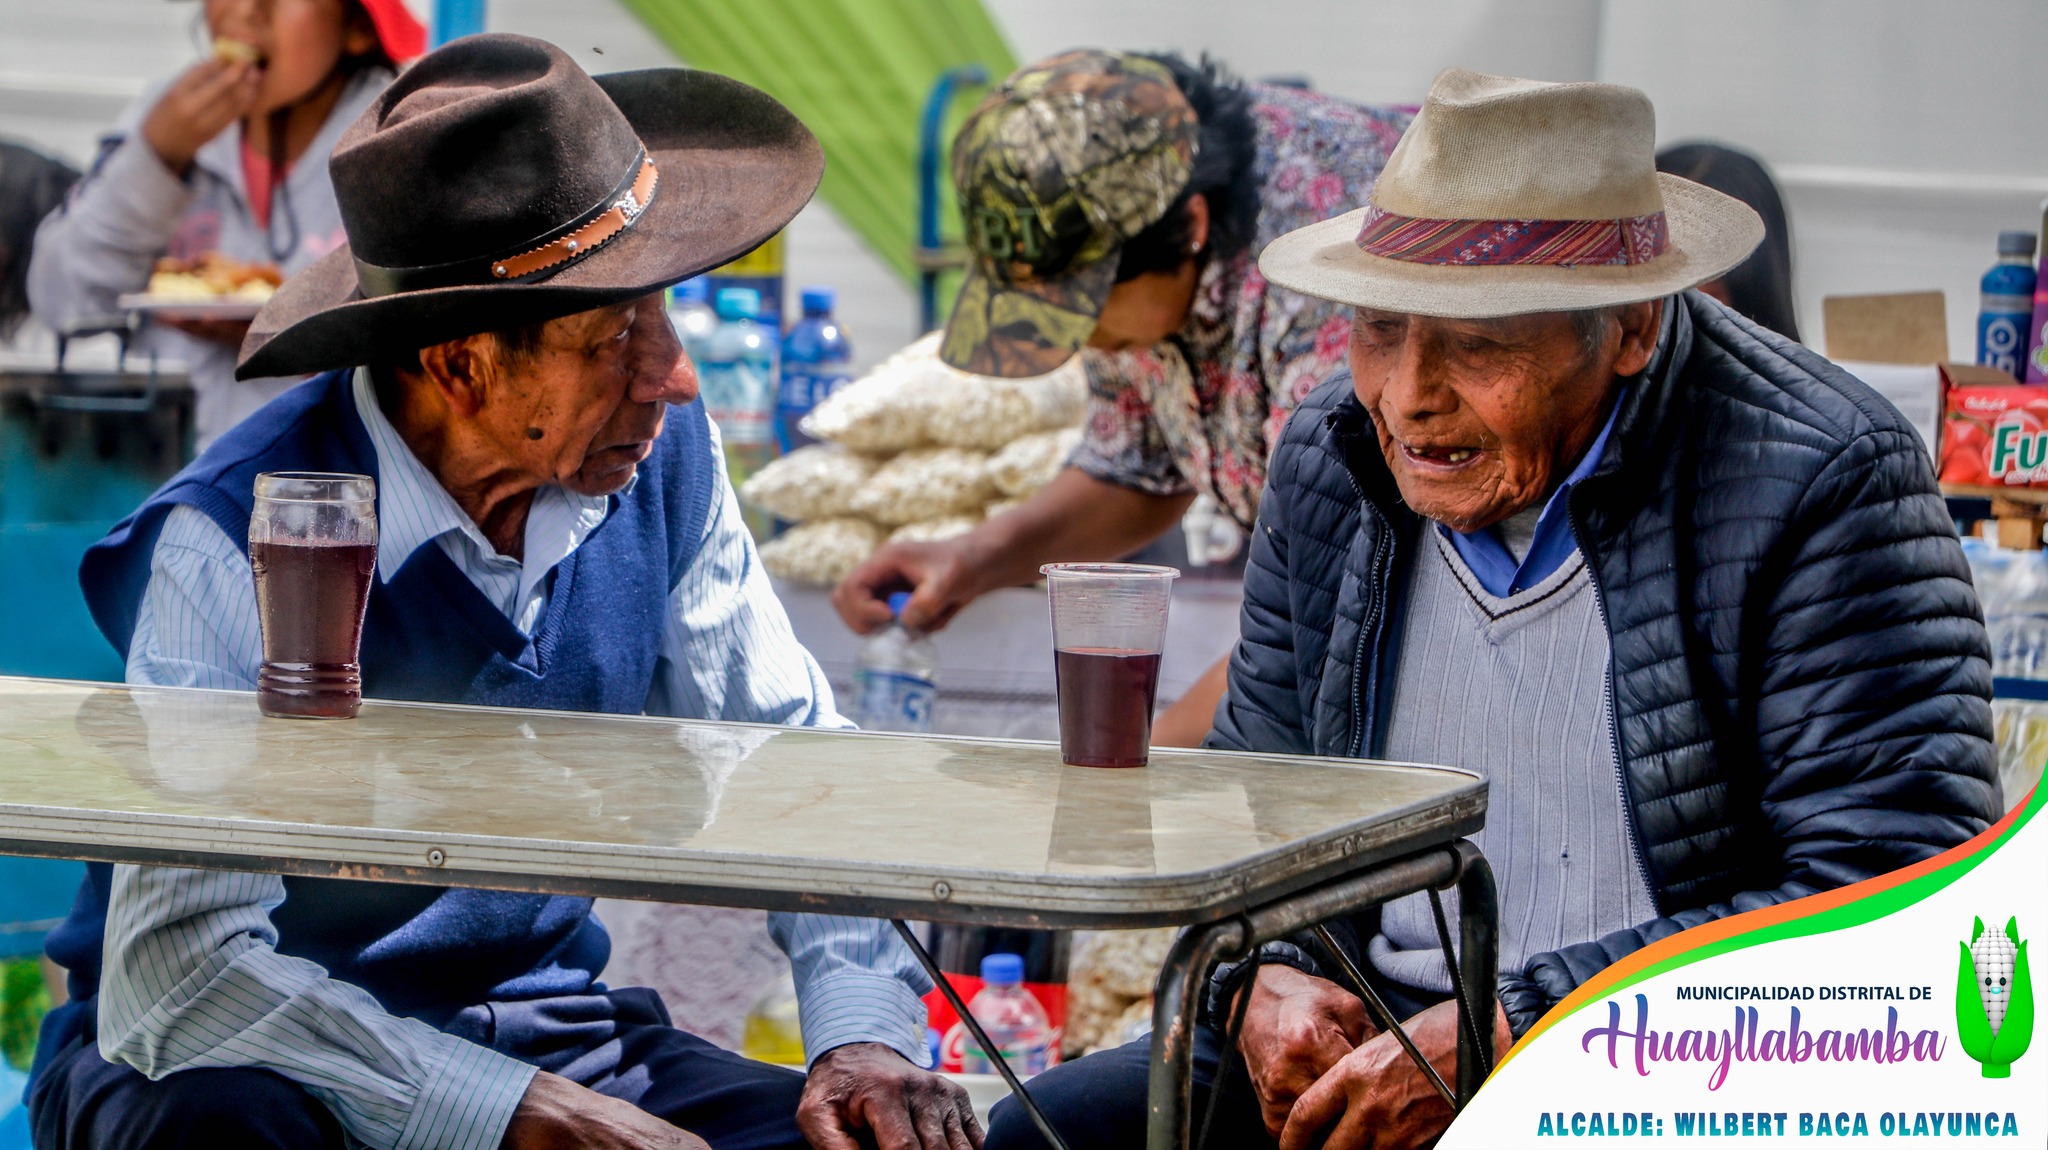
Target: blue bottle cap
{"x": 738, "y": 303}
{"x": 694, "y": 290}
{"x": 819, "y": 300}
{"x": 1002, "y": 969}
{"x": 896, "y": 603}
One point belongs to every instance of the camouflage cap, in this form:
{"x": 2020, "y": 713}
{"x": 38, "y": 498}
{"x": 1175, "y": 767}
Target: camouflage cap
{"x": 1055, "y": 170}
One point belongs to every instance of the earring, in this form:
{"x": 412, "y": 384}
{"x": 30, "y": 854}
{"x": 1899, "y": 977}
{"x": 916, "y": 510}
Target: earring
{"x": 1193, "y": 248}
{"x": 534, "y": 433}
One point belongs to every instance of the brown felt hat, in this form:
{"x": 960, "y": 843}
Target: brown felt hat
{"x": 495, "y": 183}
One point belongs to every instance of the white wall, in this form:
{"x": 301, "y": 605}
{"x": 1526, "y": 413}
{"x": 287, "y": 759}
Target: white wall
{"x": 1905, "y": 133}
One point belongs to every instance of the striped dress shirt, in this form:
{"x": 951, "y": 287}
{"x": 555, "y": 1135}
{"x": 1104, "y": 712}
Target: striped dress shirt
{"x": 192, "y": 978}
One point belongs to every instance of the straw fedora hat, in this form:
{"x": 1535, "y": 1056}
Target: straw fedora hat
{"x": 495, "y": 183}
{"x": 1510, "y": 196}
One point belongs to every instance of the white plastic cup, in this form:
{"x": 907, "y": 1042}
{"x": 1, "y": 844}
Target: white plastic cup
{"x": 1108, "y": 628}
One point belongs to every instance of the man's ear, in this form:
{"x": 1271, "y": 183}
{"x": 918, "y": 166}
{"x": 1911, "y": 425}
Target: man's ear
{"x": 463, "y": 370}
{"x": 1641, "y": 323}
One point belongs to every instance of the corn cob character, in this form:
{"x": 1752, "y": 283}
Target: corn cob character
{"x": 1994, "y": 998}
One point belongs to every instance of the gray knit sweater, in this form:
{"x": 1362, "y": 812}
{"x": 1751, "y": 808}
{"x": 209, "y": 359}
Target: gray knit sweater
{"x": 1515, "y": 689}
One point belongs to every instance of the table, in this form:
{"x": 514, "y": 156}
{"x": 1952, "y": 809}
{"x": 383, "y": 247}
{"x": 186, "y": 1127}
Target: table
{"x": 1240, "y": 848}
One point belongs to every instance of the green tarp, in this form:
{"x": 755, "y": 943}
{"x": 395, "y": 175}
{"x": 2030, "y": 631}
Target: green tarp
{"x": 856, "y": 71}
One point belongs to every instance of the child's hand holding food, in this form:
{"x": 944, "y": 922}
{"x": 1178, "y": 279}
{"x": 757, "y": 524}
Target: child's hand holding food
{"x": 200, "y": 104}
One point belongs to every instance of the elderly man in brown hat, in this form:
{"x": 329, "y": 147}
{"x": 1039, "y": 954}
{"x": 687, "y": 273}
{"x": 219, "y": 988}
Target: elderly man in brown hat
{"x": 556, "y": 531}
{"x": 1683, "y": 591}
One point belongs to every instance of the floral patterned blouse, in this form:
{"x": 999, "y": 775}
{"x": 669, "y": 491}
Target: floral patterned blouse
{"x": 1200, "y": 411}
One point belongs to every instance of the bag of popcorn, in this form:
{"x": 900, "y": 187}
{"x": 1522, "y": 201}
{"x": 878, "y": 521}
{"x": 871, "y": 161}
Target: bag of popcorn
{"x": 1030, "y": 462}
{"x": 924, "y": 483}
{"x": 813, "y": 482}
{"x": 821, "y": 552}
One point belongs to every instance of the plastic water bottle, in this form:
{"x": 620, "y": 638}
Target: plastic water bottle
{"x": 737, "y": 378}
{"x": 895, "y": 680}
{"x": 691, "y": 313}
{"x": 2007, "y": 310}
{"x": 1014, "y": 1020}
{"x": 817, "y": 359}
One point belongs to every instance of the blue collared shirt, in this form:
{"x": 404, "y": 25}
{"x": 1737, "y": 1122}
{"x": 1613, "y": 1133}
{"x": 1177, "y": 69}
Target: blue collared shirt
{"x": 1488, "y": 556}
{"x": 192, "y": 977}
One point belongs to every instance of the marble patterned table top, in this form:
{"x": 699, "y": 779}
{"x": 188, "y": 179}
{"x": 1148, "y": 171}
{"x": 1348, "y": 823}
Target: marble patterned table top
{"x": 965, "y": 830}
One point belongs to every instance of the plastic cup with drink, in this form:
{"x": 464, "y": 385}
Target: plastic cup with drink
{"x": 313, "y": 547}
{"x": 1108, "y": 626}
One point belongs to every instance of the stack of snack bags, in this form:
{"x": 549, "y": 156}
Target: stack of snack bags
{"x": 1109, "y": 986}
{"x": 914, "y": 450}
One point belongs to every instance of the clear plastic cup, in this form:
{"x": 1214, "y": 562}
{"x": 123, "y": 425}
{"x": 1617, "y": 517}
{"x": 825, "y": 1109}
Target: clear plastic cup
{"x": 1108, "y": 625}
{"x": 313, "y": 547}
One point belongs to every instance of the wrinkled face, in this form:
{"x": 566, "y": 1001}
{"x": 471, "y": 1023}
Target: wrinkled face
{"x": 1479, "y": 419}
{"x": 596, "y": 389}
{"x": 299, "y": 41}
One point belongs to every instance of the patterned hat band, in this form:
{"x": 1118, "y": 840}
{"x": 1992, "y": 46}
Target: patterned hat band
{"x": 1555, "y": 243}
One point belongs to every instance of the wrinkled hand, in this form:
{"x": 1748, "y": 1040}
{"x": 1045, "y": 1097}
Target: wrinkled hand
{"x": 557, "y": 1114}
{"x": 1377, "y": 1098}
{"x": 865, "y": 1088}
{"x": 227, "y": 331}
{"x": 198, "y": 106}
{"x": 1296, "y": 1027}
{"x": 939, "y": 577}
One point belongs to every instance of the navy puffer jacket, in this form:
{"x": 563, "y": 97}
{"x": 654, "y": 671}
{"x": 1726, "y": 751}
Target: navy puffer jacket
{"x": 1800, "y": 676}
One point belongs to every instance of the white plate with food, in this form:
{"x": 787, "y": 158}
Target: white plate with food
{"x": 212, "y": 286}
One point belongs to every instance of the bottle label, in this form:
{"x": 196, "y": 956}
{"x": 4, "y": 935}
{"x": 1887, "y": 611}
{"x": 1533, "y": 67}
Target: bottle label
{"x": 893, "y": 700}
{"x": 2002, "y": 342}
{"x": 803, "y": 390}
{"x": 737, "y": 398}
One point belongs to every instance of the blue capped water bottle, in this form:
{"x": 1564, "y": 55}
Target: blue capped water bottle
{"x": 895, "y": 679}
{"x": 817, "y": 359}
{"x": 2008, "y": 306}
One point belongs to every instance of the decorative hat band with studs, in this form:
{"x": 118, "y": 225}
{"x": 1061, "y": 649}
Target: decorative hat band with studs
{"x": 1555, "y": 243}
{"x": 565, "y": 245}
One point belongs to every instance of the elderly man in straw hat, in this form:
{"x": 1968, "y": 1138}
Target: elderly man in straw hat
{"x": 556, "y": 532}
{"x": 1682, "y": 590}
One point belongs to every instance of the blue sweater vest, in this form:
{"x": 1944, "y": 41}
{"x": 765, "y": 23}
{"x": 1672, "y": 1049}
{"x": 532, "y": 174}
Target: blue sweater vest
{"x": 431, "y": 635}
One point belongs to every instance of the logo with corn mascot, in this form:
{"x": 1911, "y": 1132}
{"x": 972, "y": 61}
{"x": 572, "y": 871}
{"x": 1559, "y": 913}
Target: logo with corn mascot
{"x": 1995, "y": 998}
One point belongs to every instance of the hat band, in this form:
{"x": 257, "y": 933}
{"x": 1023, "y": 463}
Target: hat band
{"x": 567, "y": 244}
{"x": 1556, "y": 243}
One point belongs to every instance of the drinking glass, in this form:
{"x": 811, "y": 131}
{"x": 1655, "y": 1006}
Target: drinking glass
{"x": 313, "y": 546}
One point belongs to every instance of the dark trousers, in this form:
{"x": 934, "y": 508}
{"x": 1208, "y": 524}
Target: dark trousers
{"x": 1099, "y": 1102}
{"x": 619, "y": 1044}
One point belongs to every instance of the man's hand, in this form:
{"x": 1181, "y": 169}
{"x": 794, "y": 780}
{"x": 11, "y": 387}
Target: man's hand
{"x": 1296, "y": 1027}
{"x": 939, "y": 576}
{"x": 1376, "y": 1097}
{"x": 557, "y": 1114}
{"x": 198, "y": 106}
{"x": 867, "y": 1087}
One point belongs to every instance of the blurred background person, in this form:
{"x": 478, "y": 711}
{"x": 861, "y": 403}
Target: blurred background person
{"x": 31, "y": 185}
{"x": 1761, "y": 286}
{"x": 1114, "y": 204}
{"x": 229, "y": 157}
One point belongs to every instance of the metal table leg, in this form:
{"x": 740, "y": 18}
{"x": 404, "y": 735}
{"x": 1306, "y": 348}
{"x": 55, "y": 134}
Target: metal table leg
{"x": 1178, "y": 994}
{"x": 1176, "y": 1002}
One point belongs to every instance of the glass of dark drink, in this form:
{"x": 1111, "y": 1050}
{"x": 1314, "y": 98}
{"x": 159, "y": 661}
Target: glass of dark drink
{"x": 313, "y": 546}
{"x": 1108, "y": 625}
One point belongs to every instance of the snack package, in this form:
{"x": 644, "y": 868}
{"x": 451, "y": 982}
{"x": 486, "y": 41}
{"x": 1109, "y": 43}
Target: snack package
{"x": 820, "y": 553}
{"x": 1995, "y": 436}
{"x": 924, "y": 483}
{"x": 813, "y": 482}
